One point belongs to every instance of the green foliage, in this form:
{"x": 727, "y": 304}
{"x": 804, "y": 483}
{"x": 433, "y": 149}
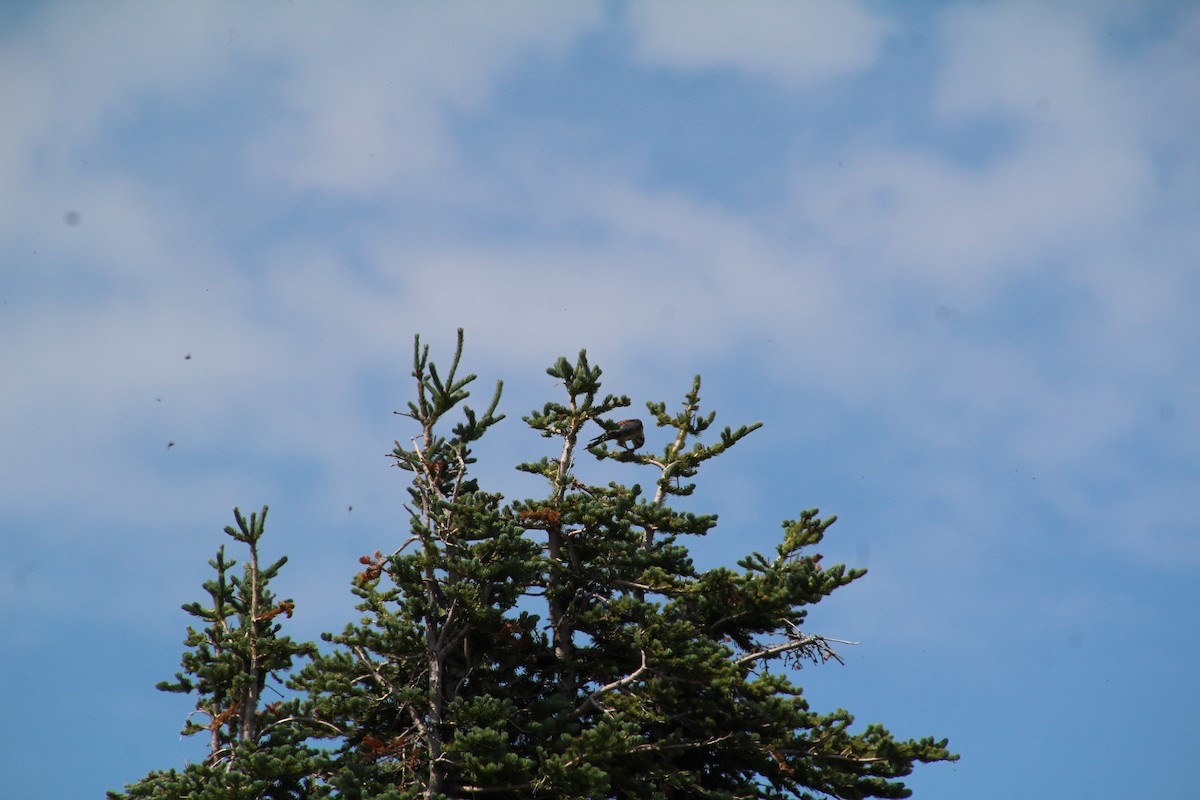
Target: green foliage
{"x": 256, "y": 749}
{"x": 562, "y": 646}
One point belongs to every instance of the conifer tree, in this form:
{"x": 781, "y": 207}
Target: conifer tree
{"x": 566, "y": 646}
{"x": 256, "y": 748}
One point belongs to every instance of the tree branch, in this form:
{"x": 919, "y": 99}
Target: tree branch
{"x": 659, "y": 746}
{"x": 798, "y": 641}
{"x": 593, "y": 699}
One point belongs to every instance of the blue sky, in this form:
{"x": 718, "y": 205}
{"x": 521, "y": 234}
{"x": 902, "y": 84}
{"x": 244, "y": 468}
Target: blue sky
{"x": 946, "y": 252}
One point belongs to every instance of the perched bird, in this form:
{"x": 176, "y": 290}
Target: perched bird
{"x": 628, "y": 431}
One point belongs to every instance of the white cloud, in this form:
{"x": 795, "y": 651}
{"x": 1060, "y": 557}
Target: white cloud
{"x": 366, "y": 89}
{"x": 349, "y": 98}
{"x": 798, "y": 44}
{"x": 148, "y": 268}
{"x": 962, "y": 230}
{"x": 1024, "y": 60}
{"x": 1070, "y": 166}
{"x": 660, "y": 278}
{"x": 105, "y": 60}
{"x": 1064, "y": 206}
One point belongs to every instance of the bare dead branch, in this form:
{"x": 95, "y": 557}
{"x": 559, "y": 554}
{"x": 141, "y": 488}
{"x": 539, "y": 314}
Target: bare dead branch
{"x": 663, "y": 746}
{"x": 815, "y": 647}
{"x": 593, "y": 699}
{"x": 375, "y": 673}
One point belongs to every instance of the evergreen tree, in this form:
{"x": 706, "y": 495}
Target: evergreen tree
{"x": 256, "y": 749}
{"x": 566, "y": 646}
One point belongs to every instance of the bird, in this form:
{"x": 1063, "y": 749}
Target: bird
{"x": 628, "y": 431}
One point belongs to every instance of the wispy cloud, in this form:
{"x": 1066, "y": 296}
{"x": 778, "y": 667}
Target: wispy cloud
{"x": 794, "y": 44}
